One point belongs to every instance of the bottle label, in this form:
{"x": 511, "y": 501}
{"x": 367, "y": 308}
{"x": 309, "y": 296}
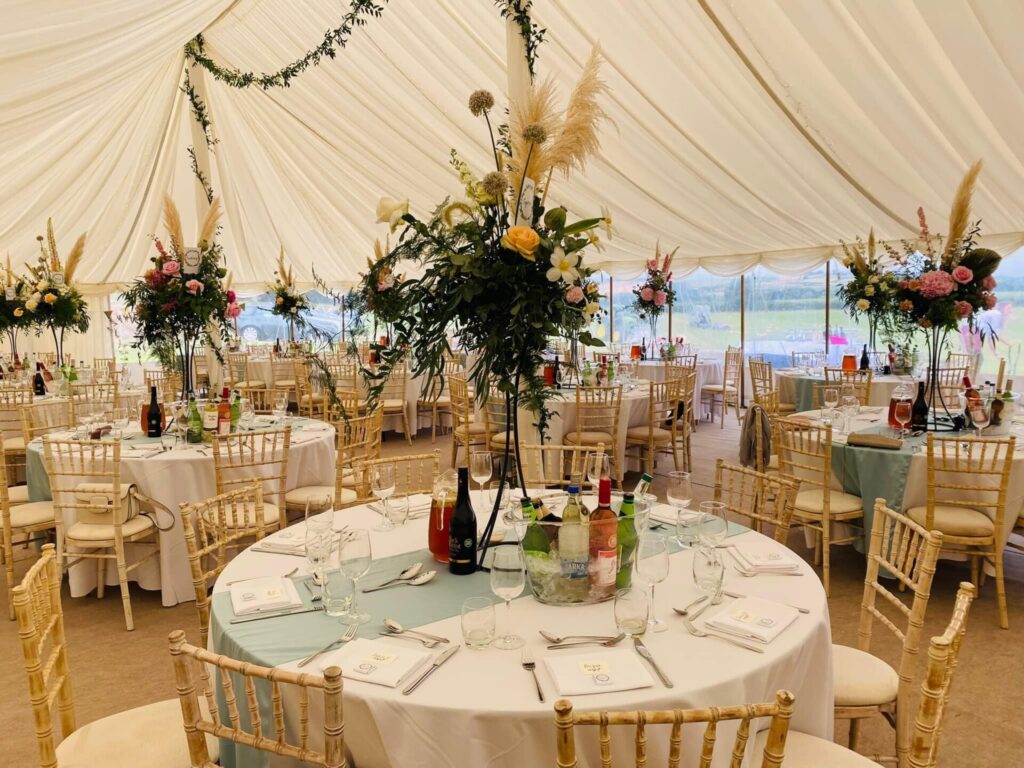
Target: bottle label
{"x": 224, "y": 427}
{"x": 210, "y": 420}
{"x": 606, "y": 568}
{"x": 574, "y": 567}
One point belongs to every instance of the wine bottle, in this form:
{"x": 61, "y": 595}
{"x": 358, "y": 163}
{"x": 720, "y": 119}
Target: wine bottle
{"x": 462, "y": 534}
{"x": 919, "y": 410}
{"x": 47, "y": 376}
{"x": 209, "y": 419}
{"x": 627, "y": 540}
{"x": 195, "y": 421}
{"x": 642, "y": 486}
{"x": 535, "y": 540}
{"x": 864, "y": 362}
{"x": 154, "y": 420}
{"x": 573, "y": 549}
{"x": 236, "y": 410}
{"x": 970, "y": 395}
{"x": 604, "y": 548}
{"x": 73, "y": 374}
{"x": 38, "y": 385}
{"x": 224, "y": 413}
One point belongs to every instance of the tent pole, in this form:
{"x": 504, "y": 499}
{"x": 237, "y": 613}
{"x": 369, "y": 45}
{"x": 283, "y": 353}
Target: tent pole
{"x": 828, "y": 304}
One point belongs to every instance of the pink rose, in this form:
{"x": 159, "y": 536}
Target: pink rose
{"x": 963, "y": 308}
{"x": 989, "y": 283}
{"x": 233, "y": 311}
{"x": 647, "y": 294}
{"x": 652, "y": 263}
{"x": 936, "y": 284}
{"x": 194, "y": 287}
{"x": 962, "y": 275}
{"x": 574, "y": 295}
{"x": 232, "y": 298}
{"x": 660, "y": 297}
{"x": 171, "y": 268}
{"x": 990, "y": 301}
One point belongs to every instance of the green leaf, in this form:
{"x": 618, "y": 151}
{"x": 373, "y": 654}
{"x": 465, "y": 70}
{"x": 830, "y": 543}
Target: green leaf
{"x": 581, "y": 226}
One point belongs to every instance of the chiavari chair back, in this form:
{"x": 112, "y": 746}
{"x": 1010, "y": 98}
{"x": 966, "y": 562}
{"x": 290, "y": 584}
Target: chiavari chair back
{"x": 192, "y": 666}
{"x": 660, "y": 431}
{"x": 807, "y": 360}
{"x": 679, "y": 365}
{"x": 437, "y": 399}
{"x": 969, "y": 361}
{"x": 104, "y": 368}
{"x": 29, "y": 523}
{"x": 168, "y": 385}
{"x": 548, "y": 465}
{"x": 728, "y": 392}
{"x": 309, "y": 397}
{"x": 761, "y": 377}
{"x": 12, "y": 401}
{"x": 43, "y": 417}
{"x": 466, "y": 431}
{"x": 393, "y": 400}
{"x": 414, "y": 473}
{"x": 93, "y": 397}
{"x": 772, "y": 756}
{"x": 241, "y": 458}
{"x": 766, "y": 500}
{"x": 498, "y": 420}
{"x": 597, "y": 421}
{"x": 948, "y": 383}
{"x": 860, "y": 381}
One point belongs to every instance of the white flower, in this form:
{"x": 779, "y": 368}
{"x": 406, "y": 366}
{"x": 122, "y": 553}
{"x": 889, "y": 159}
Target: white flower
{"x": 42, "y": 285}
{"x": 606, "y": 222}
{"x": 563, "y": 266}
{"x": 294, "y": 310}
{"x": 37, "y": 297}
{"x": 595, "y": 241}
{"x": 31, "y": 305}
{"x": 390, "y": 211}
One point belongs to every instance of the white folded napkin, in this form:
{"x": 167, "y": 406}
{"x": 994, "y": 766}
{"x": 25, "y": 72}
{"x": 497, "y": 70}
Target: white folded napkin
{"x": 272, "y": 593}
{"x": 763, "y": 558}
{"x": 663, "y": 513}
{"x": 372, "y": 661}
{"x": 753, "y": 619}
{"x": 280, "y": 547}
{"x": 598, "y": 670}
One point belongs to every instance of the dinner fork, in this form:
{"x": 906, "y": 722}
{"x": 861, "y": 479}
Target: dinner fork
{"x": 692, "y": 629}
{"x": 347, "y": 635}
{"x": 531, "y": 666}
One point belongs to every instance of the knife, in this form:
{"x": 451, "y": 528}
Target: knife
{"x": 274, "y": 614}
{"x": 642, "y": 650}
{"x": 737, "y": 595}
{"x": 446, "y": 654}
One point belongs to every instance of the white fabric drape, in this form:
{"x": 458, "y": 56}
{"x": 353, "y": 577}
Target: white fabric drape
{"x": 745, "y": 131}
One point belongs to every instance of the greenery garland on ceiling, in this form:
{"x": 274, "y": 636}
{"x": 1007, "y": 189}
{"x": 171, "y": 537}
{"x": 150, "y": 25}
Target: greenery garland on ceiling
{"x": 531, "y": 32}
{"x": 202, "y": 117}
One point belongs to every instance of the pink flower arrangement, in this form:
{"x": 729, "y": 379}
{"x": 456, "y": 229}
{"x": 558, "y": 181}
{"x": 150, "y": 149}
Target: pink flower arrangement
{"x": 660, "y": 297}
{"x": 990, "y": 301}
{"x": 647, "y": 294}
{"x": 232, "y": 311}
{"x": 989, "y": 283}
{"x": 574, "y": 295}
{"x": 154, "y": 278}
{"x": 962, "y": 275}
{"x": 936, "y": 284}
{"x": 963, "y": 308}
{"x": 171, "y": 268}
{"x": 195, "y": 287}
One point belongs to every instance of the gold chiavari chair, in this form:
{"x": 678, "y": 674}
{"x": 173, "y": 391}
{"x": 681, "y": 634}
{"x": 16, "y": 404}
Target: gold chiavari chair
{"x": 661, "y": 427}
{"x": 93, "y": 397}
{"x": 358, "y": 441}
{"x": 12, "y": 401}
{"x": 597, "y": 421}
{"x": 44, "y": 417}
{"x": 241, "y": 458}
{"x": 806, "y": 751}
{"x": 860, "y": 381}
{"x": 498, "y": 421}
{"x": 546, "y": 466}
{"x": 348, "y": 403}
{"x": 112, "y": 742}
{"x": 168, "y": 385}
{"x": 865, "y": 685}
{"x": 393, "y": 401}
{"x": 200, "y": 369}
{"x": 105, "y": 368}
{"x": 240, "y": 377}
{"x": 805, "y": 457}
{"x": 686, "y": 362}
{"x": 414, "y": 473}
{"x": 282, "y": 370}
{"x": 949, "y": 383}
{"x": 343, "y": 370}
{"x": 686, "y": 421}
{"x": 968, "y": 361}
{"x": 764, "y": 499}
{"x": 213, "y": 528}
{"x": 202, "y": 719}
{"x": 807, "y": 360}
{"x": 769, "y": 403}
{"x": 22, "y": 526}
{"x": 728, "y": 392}
{"x": 49, "y": 359}
{"x": 772, "y": 749}
{"x": 101, "y": 513}
{"x": 466, "y": 430}
{"x": 310, "y": 398}
{"x": 968, "y": 480}
{"x": 437, "y": 401}
{"x": 761, "y": 378}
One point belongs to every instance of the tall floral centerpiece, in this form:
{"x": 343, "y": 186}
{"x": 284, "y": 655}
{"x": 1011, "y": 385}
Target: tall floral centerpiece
{"x": 941, "y": 284}
{"x": 181, "y": 300}
{"x": 496, "y": 269}
{"x": 655, "y": 293}
{"x": 13, "y": 315}
{"x": 289, "y": 302}
{"x": 53, "y": 301}
{"x": 871, "y": 289}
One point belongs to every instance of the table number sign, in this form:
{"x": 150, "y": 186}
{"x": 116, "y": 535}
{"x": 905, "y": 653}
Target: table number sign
{"x": 191, "y": 260}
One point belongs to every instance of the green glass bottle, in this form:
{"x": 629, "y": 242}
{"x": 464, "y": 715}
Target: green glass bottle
{"x": 195, "y": 421}
{"x": 236, "y": 410}
{"x": 627, "y": 542}
{"x": 535, "y": 540}
{"x": 73, "y": 373}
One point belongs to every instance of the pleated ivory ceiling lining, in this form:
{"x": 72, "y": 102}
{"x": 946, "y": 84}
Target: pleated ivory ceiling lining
{"x": 745, "y": 131}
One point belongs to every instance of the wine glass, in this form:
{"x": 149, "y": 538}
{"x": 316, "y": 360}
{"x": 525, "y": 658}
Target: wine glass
{"x": 481, "y": 465}
{"x": 120, "y": 421}
{"x": 652, "y": 567}
{"x": 508, "y": 578}
{"x": 246, "y": 414}
{"x": 981, "y": 414}
{"x": 714, "y": 527}
{"x": 903, "y": 415}
{"x": 354, "y": 558}
{"x": 632, "y": 610}
{"x": 318, "y": 541}
{"x": 598, "y": 465}
{"x": 708, "y": 570}
{"x": 850, "y": 407}
{"x": 382, "y": 483}
{"x": 830, "y": 398}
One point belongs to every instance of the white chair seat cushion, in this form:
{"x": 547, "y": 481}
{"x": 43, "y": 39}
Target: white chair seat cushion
{"x": 36, "y": 513}
{"x": 642, "y": 433}
{"x": 499, "y": 440}
{"x": 861, "y": 679}
{"x": 476, "y": 428}
{"x": 249, "y": 384}
{"x": 348, "y": 477}
{"x": 393, "y": 404}
{"x": 12, "y": 444}
{"x": 441, "y": 402}
{"x": 94, "y": 533}
{"x": 297, "y": 497}
{"x": 718, "y": 388}
{"x": 18, "y": 494}
{"x": 805, "y": 751}
{"x": 589, "y": 438}
{"x": 955, "y": 521}
{"x": 840, "y": 502}
{"x": 152, "y": 735}
{"x": 315, "y": 397}
{"x": 285, "y": 383}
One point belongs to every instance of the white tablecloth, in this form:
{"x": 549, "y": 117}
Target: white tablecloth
{"x": 481, "y": 708}
{"x": 183, "y": 476}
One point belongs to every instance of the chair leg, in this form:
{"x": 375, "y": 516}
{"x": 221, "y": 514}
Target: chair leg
{"x": 101, "y": 577}
{"x": 122, "y": 577}
{"x": 826, "y": 535}
{"x": 975, "y": 569}
{"x": 433, "y": 425}
{"x": 1004, "y": 619}
{"x": 455, "y": 448}
{"x": 9, "y": 570}
{"x": 854, "y": 733}
{"x": 405, "y": 423}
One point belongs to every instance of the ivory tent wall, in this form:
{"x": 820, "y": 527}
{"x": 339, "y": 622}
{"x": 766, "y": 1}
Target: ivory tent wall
{"x": 745, "y": 131}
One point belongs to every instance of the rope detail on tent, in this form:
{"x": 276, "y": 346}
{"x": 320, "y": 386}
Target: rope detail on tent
{"x": 531, "y": 32}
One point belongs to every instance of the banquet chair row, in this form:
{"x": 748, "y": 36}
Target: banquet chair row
{"x": 728, "y": 392}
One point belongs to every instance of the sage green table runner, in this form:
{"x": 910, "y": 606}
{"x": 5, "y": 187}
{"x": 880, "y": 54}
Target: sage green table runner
{"x": 803, "y": 392}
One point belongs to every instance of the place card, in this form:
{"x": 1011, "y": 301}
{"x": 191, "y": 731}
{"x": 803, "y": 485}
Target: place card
{"x": 272, "y": 593}
{"x": 617, "y": 669}
{"x": 753, "y": 619}
{"x": 372, "y": 661}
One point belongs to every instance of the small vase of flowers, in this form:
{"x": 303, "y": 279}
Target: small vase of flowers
{"x": 655, "y": 293}
{"x": 289, "y": 302}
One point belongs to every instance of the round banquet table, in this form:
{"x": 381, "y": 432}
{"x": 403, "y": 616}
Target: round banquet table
{"x": 481, "y": 707}
{"x": 796, "y": 386}
{"x": 182, "y": 476}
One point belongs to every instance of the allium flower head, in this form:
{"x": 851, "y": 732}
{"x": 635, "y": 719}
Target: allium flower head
{"x": 494, "y": 184}
{"x": 535, "y": 133}
{"x": 480, "y": 101}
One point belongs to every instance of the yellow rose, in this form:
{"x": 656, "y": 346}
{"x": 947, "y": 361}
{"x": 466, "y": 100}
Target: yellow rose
{"x": 279, "y": 300}
{"x": 18, "y": 311}
{"x": 50, "y": 298}
{"x": 869, "y": 290}
{"x": 522, "y": 240}
{"x": 863, "y": 305}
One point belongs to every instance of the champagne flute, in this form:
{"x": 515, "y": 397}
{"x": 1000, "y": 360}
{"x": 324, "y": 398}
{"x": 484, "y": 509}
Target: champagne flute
{"x": 508, "y": 578}
{"x": 120, "y": 421}
{"x": 903, "y": 415}
{"x": 652, "y": 567}
{"x": 679, "y": 495}
{"x": 382, "y": 483}
{"x": 481, "y": 465}
{"x": 354, "y": 558}
{"x": 850, "y": 408}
